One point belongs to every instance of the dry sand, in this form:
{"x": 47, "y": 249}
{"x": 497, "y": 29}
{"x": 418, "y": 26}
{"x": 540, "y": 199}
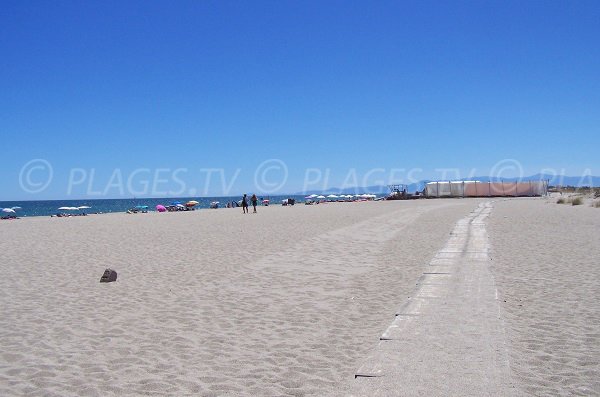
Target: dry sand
{"x": 546, "y": 263}
{"x": 285, "y": 302}
{"x": 448, "y": 338}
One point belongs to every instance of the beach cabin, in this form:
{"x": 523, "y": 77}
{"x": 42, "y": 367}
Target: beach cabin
{"x": 486, "y": 189}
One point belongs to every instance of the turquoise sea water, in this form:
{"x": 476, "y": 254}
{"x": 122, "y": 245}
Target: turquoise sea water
{"x": 50, "y": 207}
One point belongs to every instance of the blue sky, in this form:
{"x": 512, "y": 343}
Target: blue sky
{"x": 334, "y": 85}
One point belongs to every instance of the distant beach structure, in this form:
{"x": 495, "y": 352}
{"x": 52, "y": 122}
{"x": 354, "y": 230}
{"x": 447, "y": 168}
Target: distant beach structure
{"x": 486, "y": 189}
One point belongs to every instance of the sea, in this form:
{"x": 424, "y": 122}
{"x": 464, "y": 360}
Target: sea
{"x": 51, "y": 207}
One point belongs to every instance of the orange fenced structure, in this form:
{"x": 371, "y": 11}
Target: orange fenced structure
{"x": 486, "y": 189}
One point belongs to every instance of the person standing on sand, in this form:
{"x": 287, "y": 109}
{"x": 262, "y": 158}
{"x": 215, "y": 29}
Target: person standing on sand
{"x": 254, "y": 202}
{"x": 245, "y": 204}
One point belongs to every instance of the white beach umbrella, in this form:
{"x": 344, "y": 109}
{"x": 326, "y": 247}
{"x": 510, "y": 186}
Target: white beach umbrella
{"x": 16, "y": 208}
{"x": 332, "y": 196}
{"x": 313, "y": 195}
{"x": 83, "y": 207}
{"x": 8, "y": 210}
{"x": 321, "y": 197}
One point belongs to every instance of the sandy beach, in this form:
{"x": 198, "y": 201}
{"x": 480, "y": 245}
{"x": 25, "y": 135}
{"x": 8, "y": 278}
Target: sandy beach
{"x": 426, "y": 176}
{"x": 289, "y": 301}
{"x": 546, "y": 267}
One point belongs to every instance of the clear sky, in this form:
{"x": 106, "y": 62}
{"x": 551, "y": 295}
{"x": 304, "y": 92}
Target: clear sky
{"x": 338, "y": 85}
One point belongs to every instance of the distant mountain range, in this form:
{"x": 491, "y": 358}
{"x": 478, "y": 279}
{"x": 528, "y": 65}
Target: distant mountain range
{"x": 554, "y": 180}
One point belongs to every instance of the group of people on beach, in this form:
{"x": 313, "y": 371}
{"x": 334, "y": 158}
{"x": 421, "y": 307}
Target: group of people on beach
{"x": 66, "y": 215}
{"x": 253, "y": 200}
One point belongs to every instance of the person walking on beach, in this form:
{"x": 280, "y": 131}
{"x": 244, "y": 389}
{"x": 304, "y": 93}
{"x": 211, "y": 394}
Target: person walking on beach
{"x": 245, "y": 204}
{"x": 254, "y": 202}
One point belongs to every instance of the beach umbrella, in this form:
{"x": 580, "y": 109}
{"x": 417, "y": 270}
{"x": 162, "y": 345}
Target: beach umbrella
{"x": 161, "y": 208}
{"x": 176, "y": 202}
{"x": 180, "y": 206}
{"x": 332, "y": 196}
{"x": 313, "y": 195}
{"x": 191, "y": 203}
{"x": 8, "y": 210}
{"x": 83, "y": 207}
{"x": 16, "y": 208}
{"x": 321, "y": 197}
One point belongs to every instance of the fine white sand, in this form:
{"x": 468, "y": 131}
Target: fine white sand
{"x": 546, "y": 263}
{"x": 284, "y": 302}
